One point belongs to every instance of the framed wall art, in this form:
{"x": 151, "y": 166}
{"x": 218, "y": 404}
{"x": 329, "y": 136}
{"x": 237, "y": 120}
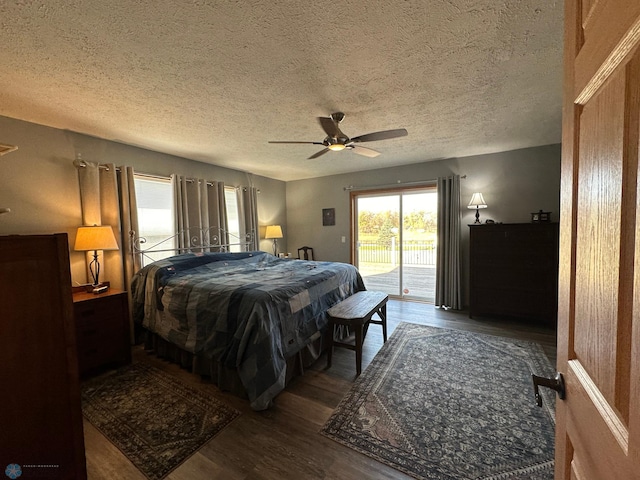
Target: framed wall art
{"x": 328, "y": 216}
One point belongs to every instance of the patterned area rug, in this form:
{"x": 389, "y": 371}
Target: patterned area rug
{"x": 443, "y": 404}
{"x": 156, "y": 421}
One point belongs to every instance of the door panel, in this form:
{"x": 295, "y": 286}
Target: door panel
{"x": 598, "y": 233}
{"x": 598, "y": 424}
{"x": 419, "y": 215}
{"x": 377, "y": 223}
{"x": 610, "y": 34}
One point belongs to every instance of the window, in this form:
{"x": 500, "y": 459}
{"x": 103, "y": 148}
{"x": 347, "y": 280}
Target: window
{"x": 156, "y": 223}
{"x": 233, "y": 219}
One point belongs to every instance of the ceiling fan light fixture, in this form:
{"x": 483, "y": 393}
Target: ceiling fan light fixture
{"x": 336, "y": 141}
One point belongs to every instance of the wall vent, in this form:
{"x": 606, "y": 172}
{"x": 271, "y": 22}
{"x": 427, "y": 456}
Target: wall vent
{"x": 6, "y": 148}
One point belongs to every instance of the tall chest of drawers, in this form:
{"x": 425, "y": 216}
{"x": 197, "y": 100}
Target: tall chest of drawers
{"x": 514, "y": 271}
{"x": 41, "y": 415}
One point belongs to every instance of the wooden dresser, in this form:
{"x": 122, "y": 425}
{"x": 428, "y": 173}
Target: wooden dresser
{"x": 102, "y": 330}
{"x": 514, "y": 271}
{"x": 40, "y": 412}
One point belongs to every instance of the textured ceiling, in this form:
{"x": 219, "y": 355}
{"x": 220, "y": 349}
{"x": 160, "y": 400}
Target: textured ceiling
{"x": 215, "y": 80}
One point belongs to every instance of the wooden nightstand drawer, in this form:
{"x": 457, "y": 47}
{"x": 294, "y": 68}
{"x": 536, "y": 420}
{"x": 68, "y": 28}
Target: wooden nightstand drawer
{"x": 96, "y": 354}
{"x": 102, "y": 330}
{"x": 99, "y": 309}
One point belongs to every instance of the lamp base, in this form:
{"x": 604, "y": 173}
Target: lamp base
{"x": 477, "y": 216}
{"x": 94, "y": 268}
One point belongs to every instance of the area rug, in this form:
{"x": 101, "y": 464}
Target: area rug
{"x": 155, "y": 420}
{"x": 443, "y": 404}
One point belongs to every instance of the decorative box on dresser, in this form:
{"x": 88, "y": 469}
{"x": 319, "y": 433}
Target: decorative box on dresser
{"x": 40, "y": 414}
{"x": 514, "y": 271}
{"x": 102, "y": 330}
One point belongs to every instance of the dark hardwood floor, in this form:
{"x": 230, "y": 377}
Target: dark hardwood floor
{"x": 283, "y": 442}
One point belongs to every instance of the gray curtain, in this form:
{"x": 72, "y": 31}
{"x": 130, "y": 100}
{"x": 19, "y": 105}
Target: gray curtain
{"x": 448, "y": 288}
{"x": 248, "y": 210}
{"x": 201, "y": 214}
{"x": 107, "y": 196}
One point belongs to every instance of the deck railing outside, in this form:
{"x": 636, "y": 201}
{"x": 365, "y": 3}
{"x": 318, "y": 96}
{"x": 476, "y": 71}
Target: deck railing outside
{"x": 416, "y": 252}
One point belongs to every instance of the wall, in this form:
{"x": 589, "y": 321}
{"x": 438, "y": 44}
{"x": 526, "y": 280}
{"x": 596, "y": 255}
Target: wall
{"x": 513, "y": 184}
{"x": 39, "y": 183}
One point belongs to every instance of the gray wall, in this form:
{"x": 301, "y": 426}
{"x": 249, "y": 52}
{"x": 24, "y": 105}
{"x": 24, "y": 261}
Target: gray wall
{"x": 513, "y": 184}
{"x": 39, "y": 183}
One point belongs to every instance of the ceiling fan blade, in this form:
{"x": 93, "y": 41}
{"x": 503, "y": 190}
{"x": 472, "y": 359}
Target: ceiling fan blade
{"x": 367, "y": 152}
{"x": 330, "y": 127}
{"x": 306, "y": 143}
{"x": 384, "y": 135}
{"x": 316, "y": 155}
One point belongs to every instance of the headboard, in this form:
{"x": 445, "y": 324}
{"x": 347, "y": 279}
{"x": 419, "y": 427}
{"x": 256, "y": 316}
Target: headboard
{"x": 192, "y": 240}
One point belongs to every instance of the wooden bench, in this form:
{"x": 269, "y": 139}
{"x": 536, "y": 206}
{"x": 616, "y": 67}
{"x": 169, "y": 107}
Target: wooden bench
{"x": 356, "y": 312}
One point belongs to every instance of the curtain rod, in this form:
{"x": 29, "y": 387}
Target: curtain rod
{"x": 397, "y": 184}
{"x": 83, "y": 164}
{"x": 79, "y": 163}
{"x": 210, "y": 184}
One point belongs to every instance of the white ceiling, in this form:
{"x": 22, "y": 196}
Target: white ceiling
{"x": 215, "y": 80}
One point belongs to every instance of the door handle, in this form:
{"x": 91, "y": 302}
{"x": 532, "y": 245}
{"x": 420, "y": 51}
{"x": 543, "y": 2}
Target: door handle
{"x": 556, "y": 383}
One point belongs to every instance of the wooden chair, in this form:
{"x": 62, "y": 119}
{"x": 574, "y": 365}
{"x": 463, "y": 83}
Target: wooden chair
{"x": 307, "y": 252}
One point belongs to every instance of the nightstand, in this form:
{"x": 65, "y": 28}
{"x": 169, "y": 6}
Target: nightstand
{"x": 102, "y": 330}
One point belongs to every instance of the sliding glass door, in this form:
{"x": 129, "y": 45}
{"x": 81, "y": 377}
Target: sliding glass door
{"x": 395, "y": 241}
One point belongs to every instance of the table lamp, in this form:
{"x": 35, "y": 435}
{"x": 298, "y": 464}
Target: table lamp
{"x": 477, "y": 202}
{"x": 95, "y": 238}
{"x": 275, "y": 232}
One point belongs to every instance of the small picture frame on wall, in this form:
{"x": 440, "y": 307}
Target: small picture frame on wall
{"x": 541, "y": 217}
{"x": 328, "y": 216}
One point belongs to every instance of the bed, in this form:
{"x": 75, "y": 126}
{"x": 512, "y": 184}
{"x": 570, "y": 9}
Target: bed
{"x": 241, "y": 318}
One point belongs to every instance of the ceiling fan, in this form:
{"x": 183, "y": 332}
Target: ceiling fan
{"x": 336, "y": 140}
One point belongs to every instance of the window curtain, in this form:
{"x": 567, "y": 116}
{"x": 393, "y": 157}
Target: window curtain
{"x": 248, "y": 211}
{"x": 107, "y": 195}
{"x": 201, "y": 214}
{"x": 448, "y": 289}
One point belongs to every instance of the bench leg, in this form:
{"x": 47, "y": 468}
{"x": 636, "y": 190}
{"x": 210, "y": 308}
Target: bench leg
{"x": 359, "y": 342}
{"x": 383, "y": 316}
{"x": 330, "y": 346}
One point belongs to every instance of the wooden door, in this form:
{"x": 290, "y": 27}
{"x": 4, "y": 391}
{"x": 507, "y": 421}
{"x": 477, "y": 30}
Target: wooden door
{"x": 598, "y": 424}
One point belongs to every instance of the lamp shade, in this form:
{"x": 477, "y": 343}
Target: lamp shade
{"x": 273, "y": 231}
{"x": 477, "y": 201}
{"x": 95, "y": 238}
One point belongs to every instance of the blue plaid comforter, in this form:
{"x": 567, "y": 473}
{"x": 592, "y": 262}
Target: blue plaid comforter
{"x": 249, "y": 311}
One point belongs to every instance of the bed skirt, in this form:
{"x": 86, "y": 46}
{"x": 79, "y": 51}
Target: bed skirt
{"x": 226, "y": 378}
